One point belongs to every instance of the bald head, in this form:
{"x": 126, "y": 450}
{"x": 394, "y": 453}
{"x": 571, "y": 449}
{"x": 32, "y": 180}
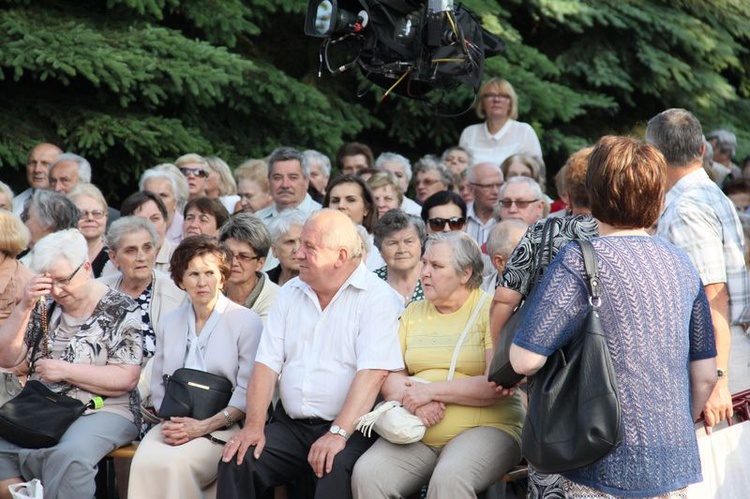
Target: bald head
{"x": 485, "y": 180}
{"x": 330, "y": 251}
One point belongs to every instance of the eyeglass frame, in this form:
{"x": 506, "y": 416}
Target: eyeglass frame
{"x": 196, "y": 172}
{"x": 61, "y": 283}
{"x": 86, "y": 213}
{"x": 452, "y": 223}
{"x": 521, "y": 204}
{"x": 486, "y": 187}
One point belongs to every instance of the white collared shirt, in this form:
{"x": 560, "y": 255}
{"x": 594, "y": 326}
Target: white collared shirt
{"x": 478, "y": 230}
{"x": 513, "y": 138}
{"x": 318, "y": 352}
{"x": 308, "y": 206}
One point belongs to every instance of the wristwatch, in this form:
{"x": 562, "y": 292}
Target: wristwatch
{"x": 721, "y": 373}
{"x": 337, "y": 430}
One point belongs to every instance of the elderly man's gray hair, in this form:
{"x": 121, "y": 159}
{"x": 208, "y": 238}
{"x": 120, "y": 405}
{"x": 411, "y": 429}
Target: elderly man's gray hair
{"x": 536, "y": 190}
{"x": 84, "y": 167}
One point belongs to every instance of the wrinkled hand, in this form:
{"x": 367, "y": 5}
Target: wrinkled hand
{"x": 38, "y": 285}
{"x": 323, "y": 451}
{"x": 431, "y": 413}
{"x": 52, "y": 370}
{"x": 719, "y": 406}
{"x": 178, "y": 431}
{"x": 415, "y": 395}
{"x": 241, "y": 441}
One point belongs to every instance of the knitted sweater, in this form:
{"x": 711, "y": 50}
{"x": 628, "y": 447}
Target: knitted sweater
{"x": 657, "y": 320}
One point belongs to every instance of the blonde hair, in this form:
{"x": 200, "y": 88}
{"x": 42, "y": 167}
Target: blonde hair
{"x": 499, "y": 85}
{"x": 227, "y": 185}
{"x": 14, "y": 236}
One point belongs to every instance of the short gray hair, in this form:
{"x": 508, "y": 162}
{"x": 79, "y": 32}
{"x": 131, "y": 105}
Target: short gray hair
{"x": 84, "y": 167}
{"x": 431, "y": 162}
{"x": 395, "y": 221}
{"x": 249, "y": 229}
{"x": 502, "y": 240}
{"x": 313, "y": 157}
{"x": 124, "y": 226}
{"x": 54, "y": 210}
{"x": 68, "y": 244}
{"x": 388, "y": 157}
{"x": 287, "y": 154}
{"x": 176, "y": 179}
{"x": 280, "y": 224}
{"x": 724, "y": 139}
{"x": 536, "y": 190}
{"x": 462, "y": 149}
{"x": 677, "y": 133}
{"x": 336, "y": 235}
{"x": 466, "y": 254}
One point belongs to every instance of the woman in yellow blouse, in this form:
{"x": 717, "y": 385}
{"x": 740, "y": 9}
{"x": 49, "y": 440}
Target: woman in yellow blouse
{"x": 473, "y": 435}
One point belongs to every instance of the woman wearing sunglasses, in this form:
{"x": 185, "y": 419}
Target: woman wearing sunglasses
{"x": 195, "y": 168}
{"x": 444, "y": 211}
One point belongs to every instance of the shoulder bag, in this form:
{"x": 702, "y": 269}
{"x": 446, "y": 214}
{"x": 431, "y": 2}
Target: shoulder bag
{"x": 574, "y": 415}
{"x": 501, "y": 372}
{"x": 193, "y": 393}
{"x": 391, "y": 420}
{"x": 38, "y": 417}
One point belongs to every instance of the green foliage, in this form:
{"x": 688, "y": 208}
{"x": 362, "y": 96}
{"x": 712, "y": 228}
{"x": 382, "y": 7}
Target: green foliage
{"x": 132, "y": 83}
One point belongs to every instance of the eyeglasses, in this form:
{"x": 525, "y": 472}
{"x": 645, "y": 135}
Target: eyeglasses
{"x": 438, "y": 224}
{"x": 487, "y": 187}
{"x": 61, "y": 283}
{"x": 95, "y": 214}
{"x": 197, "y": 172}
{"x": 507, "y": 203}
{"x": 427, "y": 182}
{"x": 243, "y": 257}
{"x": 496, "y": 96}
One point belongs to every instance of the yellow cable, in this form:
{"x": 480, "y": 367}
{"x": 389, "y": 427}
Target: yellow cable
{"x": 395, "y": 84}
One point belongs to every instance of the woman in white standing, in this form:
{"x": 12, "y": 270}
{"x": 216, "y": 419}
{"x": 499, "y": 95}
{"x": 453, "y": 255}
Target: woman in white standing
{"x": 500, "y": 135}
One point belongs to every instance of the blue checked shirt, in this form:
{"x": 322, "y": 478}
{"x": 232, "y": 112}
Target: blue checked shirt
{"x": 702, "y": 221}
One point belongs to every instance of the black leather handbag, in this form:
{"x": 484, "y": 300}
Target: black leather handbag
{"x": 193, "y": 393}
{"x": 574, "y": 415}
{"x": 501, "y": 372}
{"x": 38, "y": 417}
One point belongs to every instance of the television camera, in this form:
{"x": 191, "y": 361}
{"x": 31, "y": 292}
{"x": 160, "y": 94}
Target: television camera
{"x": 408, "y": 47}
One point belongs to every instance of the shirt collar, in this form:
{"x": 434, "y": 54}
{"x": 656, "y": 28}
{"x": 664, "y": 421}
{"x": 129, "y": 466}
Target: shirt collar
{"x": 690, "y": 180}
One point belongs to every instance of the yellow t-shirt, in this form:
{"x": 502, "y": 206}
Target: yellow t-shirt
{"x": 428, "y": 339}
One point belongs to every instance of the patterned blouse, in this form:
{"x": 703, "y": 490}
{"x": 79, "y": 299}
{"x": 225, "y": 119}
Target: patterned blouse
{"x": 111, "y": 335}
{"x": 517, "y": 273}
{"x": 417, "y": 295}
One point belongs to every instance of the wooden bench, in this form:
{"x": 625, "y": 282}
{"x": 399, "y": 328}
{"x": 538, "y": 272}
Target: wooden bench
{"x": 106, "y": 485}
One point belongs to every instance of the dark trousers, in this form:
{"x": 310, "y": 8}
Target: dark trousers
{"x": 284, "y": 459}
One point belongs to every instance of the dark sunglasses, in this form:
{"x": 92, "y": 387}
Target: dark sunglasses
{"x": 198, "y": 172}
{"x": 438, "y": 224}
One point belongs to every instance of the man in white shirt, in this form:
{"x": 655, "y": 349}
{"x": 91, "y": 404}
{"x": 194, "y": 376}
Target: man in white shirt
{"x": 288, "y": 178}
{"x": 485, "y": 180}
{"x": 37, "y": 171}
{"x": 330, "y": 340}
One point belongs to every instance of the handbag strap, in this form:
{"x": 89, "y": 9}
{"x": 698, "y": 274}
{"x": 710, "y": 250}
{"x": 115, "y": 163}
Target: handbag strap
{"x": 461, "y": 339}
{"x": 592, "y": 273}
{"x": 540, "y": 262}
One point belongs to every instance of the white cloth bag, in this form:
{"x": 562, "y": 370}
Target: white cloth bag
{"x": 27, "y": 490}
{"x": 725, "y": 455}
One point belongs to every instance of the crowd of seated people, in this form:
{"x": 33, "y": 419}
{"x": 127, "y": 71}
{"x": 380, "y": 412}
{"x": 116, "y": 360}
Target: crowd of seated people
{"x": 317, "y": 288}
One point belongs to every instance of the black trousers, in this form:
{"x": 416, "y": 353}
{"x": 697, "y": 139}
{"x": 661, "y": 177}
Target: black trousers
{"x": 284, "y": 459}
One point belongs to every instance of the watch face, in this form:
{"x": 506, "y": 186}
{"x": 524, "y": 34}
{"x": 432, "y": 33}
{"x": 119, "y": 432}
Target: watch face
{"x": 335, "y": 428}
